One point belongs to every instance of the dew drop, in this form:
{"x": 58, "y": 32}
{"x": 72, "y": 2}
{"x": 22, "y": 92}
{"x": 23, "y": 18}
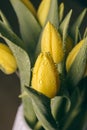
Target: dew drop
{"x": 40, "y": 81}
{"x": 44, "y": 58}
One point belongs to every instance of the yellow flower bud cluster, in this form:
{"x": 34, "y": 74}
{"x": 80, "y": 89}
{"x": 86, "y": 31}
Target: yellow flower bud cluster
{"x": 45, "y": 77}
{"x": 7, "y": 61}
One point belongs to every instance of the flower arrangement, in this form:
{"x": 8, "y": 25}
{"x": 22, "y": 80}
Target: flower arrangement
{"x": 51, "y": 61}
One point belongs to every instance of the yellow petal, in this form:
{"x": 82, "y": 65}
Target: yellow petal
{"x": 7, "y": 60}
{"x": 30, "y": 6}
{"x": 43, "y": 11}
{"x": 72, "y": 55}
{"x": 5, "y": 47}
{"x": 45, "y": 77}
{"x": 51, "y": 42}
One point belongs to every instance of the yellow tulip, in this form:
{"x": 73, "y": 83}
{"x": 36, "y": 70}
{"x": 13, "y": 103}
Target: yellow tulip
{"x": 43, "y": 10}
{"x": 30, "y": 6}
{"x": 51, "y": 42}
{"x": 7, "y": 60}
{"x": 45, "y": 77}
{"x": 72, "y": 55}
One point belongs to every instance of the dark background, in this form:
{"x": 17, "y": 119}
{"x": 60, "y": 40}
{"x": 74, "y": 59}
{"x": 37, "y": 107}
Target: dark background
{"x": 10, "y": 85}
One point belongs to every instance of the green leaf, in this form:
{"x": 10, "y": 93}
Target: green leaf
{"x": 85, "y": 33}
{"x": 77, "y": 23}
{"x": 24, "y": 67}
{"x": 63, "y": 28}
{"x": 77, "y": 69}
{"x": 41, "y": 105}
{"x": 60, "y": 105}
{"x": 23, "y": 62}
{"x": 4, "y": 19}
{"x": 6, "y": 32}
{"x": 53, "y": 13}
{"x": 29, "y": 27}
{"x": 61, "y": 12}
{"x": 79, "y": 121}
{"x": 75, "y": 118}
{"x": 79, "y": 99}
{"x": 77, "y": 36}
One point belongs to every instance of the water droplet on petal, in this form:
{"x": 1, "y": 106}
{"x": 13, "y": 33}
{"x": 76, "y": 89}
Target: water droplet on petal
{"x": 40, "y": 81}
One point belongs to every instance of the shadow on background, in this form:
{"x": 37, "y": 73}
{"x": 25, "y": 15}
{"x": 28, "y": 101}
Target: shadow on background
{"x": 9, "y": 85}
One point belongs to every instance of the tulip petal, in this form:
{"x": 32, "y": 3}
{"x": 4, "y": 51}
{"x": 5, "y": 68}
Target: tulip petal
{"x": 78, "y": 66}
{"x": 7, "y": 61}
{"x": 45, "y": 70}
{"x": 51, "y": 42}
{"x": 43, "y": 11}
{"x": 61, "y": 12}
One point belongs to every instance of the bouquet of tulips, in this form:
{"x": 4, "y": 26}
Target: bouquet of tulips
{"x": 51, "y": 61}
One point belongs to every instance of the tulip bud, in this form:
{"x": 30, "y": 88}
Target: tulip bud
{"x": 51, "y": 42}
{"x": 72, "y": 55}
{"x": 30, "y": 6}
{"x": 68, "y": 44}
{"x": 43, "y": 11}
{"x": 45, "y": 76}
{"x": 7, "y": 60}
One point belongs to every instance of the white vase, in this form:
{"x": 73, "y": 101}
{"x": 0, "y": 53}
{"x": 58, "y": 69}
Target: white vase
{"x": 20, "y": 123}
